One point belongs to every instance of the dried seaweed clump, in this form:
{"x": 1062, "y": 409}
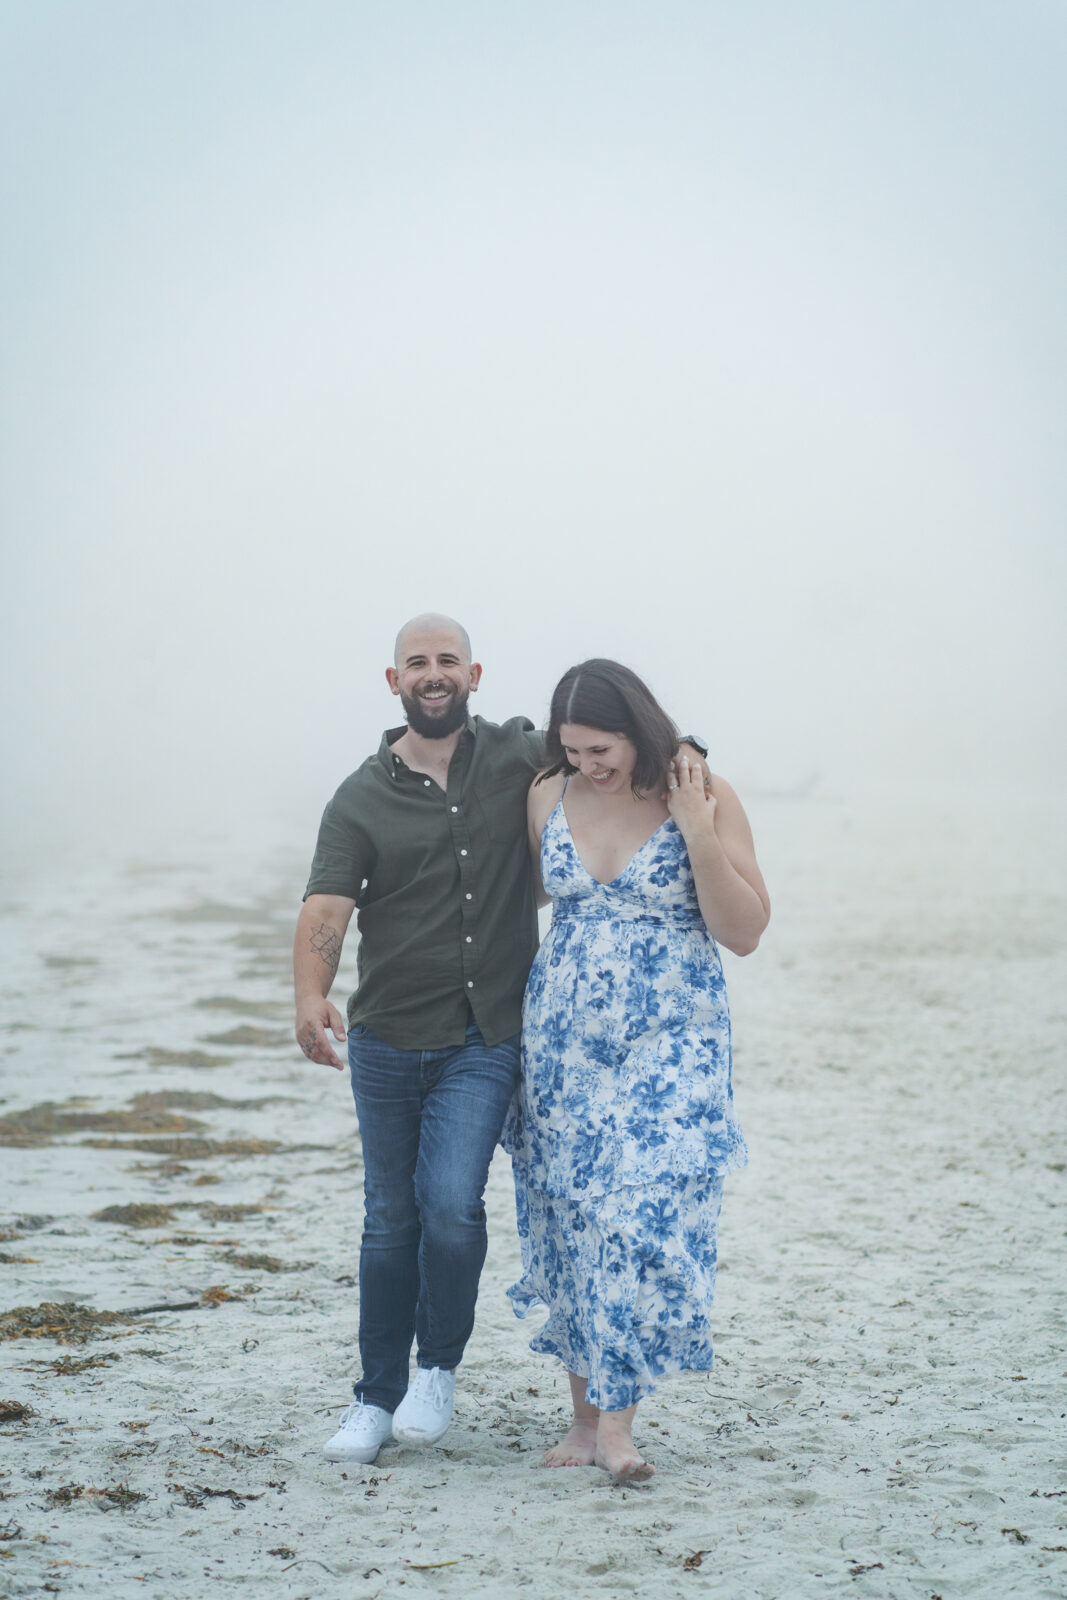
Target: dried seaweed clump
{"x": 136, "y": 1216}
{"x": 69, "y": 1323}
{"x": 41, "y": 1124}
{"x": 115, "y": 1495}
{"x": 244, "y": 1008}
{"x": 182, "y": 1099}
{"x": 215, "y": 1213}
{"x": 218, "y": 1294}
{"x": 195, "y": 1494}
{"x": 190, "y": 1149}
{"x": 252, "y": 1262}
{"x": 70, "y": 1366}
{"x": 248, "y": 1036}
{"x": 21, "y": 1225}
{"x": 158, "y": 1056}
{"x": 15, "y": 1411}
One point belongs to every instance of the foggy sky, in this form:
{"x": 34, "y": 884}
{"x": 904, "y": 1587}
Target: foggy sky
{"x": 724, "y": 339}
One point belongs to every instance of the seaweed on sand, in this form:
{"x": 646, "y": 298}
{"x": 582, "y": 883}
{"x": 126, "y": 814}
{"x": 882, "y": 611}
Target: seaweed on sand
{"x": 71, "y": 1366}
{"x": 244, "y": 1008}
{"x": 185, "y": 1240}
{"x": 252, "y": 1262}
{"x": 136, "y": 1216}
{"x": 194, "y": 1495}
{"x": 204, "y": 1100}
{"x": 216, "y": 1213}
{"x": 218, "y": 1294}
{"x": 69, "y": 1323}
{"x": 118, "y": 1495}
{"x": 23, "y": 1225}
{"x": 41, "y": 1124}
{"x": 249, "y": 1037}
{"x": 156, "y": 1056}
{"x": 15, "y": 1411}
{"x": 190, "y": 1149}
{"x": 72, "y": 1323}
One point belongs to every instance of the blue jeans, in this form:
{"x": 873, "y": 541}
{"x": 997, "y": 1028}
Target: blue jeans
{"x": 429, "y": 1121}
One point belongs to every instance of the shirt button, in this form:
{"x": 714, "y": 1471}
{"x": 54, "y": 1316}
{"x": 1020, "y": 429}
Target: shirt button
{"x": 426, "y": 781}
{"x": 470, "y": 897}
{"x": 468, "y": 938}
{"x": 470, "y": 983}
{"x": 455, "y": 808}
{"x": 463, "y": 852}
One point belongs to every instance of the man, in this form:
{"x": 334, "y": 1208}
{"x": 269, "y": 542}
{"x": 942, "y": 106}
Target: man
{"x": 428, "y": 839}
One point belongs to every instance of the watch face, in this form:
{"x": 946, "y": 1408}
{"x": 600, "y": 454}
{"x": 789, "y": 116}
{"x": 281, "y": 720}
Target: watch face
{"x": 698, "y": 744}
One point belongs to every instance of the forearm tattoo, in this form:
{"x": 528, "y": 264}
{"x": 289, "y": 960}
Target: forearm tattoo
{"x": 327, "y": 946}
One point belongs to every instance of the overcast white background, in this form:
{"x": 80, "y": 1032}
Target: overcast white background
{"x": 726, "y": 339}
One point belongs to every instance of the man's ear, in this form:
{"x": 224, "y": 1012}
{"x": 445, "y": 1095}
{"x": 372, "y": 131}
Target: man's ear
{"x": 392, "y": 678}
{"x": 476, "y": 674}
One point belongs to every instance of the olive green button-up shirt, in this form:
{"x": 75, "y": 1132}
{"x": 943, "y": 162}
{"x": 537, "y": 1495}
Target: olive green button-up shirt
{"x": 442, "y": 882}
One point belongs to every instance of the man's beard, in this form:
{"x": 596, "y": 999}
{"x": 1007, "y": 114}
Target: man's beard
{"x": 437, "y": 725}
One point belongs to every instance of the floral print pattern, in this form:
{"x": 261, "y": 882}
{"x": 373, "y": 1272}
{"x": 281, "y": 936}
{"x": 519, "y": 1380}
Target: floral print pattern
{"x": 624, "y": 1125}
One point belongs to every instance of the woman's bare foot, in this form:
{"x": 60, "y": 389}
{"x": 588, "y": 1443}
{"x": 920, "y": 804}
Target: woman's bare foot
{"x": 577, "y": 1448}
{"x": 615, "y": 1449}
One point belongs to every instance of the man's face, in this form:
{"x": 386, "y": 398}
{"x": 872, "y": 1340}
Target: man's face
{"x": 434, "y": 679}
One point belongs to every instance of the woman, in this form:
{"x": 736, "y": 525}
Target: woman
{"x": 625, "y": 1123}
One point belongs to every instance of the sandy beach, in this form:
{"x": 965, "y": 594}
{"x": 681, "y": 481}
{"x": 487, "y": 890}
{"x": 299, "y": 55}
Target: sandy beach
{"x": 885, "y": 1418}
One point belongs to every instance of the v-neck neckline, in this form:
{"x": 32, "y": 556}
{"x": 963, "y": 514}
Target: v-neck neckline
{"x": 574, "y": 846}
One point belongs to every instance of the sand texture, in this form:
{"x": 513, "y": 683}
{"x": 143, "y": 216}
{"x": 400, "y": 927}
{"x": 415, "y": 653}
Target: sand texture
{"x": 886, "y": 1414}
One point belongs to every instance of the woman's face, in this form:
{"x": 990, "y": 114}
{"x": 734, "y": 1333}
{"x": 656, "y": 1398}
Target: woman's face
{"x": 606, "y": 760}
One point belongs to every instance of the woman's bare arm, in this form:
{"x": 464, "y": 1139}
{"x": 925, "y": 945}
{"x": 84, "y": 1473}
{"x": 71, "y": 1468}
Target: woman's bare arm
{"x": 540, "y": 803}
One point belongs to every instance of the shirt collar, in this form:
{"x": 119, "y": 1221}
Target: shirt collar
{"x": 391, "y": 762}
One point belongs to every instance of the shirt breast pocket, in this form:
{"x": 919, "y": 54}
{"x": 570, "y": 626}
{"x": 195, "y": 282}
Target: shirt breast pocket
{"x": 502, "y": 810}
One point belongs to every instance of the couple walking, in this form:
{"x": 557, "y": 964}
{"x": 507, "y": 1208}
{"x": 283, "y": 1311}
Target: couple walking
{"x": 610, "y": 1088}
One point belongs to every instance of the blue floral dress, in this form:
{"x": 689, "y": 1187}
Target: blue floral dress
{"x": 624, "y": 1124}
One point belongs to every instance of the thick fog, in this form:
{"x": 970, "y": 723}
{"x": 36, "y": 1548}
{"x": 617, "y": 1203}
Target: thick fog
{"x": 725, "y": 339}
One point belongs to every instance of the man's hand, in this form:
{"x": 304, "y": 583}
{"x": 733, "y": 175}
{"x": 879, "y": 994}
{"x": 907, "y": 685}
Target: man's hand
{"x": 313, "y": 1018}
{"x": 320, "y": 933}
{"x": 695, "y": 760}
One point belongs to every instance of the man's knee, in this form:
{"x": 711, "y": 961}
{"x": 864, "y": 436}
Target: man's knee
{"x": 390, "y": 1216}
{"x": 449, "y": 1214}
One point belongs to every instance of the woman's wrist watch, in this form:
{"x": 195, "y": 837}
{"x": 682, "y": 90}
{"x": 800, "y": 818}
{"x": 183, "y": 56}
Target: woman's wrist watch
{"x": 695, "y": 741}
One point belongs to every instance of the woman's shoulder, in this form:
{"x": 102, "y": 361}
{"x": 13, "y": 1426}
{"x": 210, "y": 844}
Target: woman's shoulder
{"x": 725, "y": 794}
{"x": 544, "y": 795}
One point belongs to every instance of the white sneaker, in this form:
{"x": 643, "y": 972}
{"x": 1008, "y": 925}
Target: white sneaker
{"x": 422, "y": 1417}
{"x": 363, "y": 1431}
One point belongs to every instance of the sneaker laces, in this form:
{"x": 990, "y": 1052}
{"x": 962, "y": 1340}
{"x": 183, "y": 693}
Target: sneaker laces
{"x": 429, "y": 1386}
{"x": 352, "y": 1415}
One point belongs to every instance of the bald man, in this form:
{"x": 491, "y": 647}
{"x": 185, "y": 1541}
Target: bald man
{"x": 428, "y": 840}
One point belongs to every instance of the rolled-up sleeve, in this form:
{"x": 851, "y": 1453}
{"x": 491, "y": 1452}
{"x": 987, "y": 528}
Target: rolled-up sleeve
{"x": 343, "y": 854}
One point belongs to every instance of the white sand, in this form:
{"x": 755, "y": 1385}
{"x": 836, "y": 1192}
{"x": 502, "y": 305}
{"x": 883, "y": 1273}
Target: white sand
{"x": 885, "y": 1418}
